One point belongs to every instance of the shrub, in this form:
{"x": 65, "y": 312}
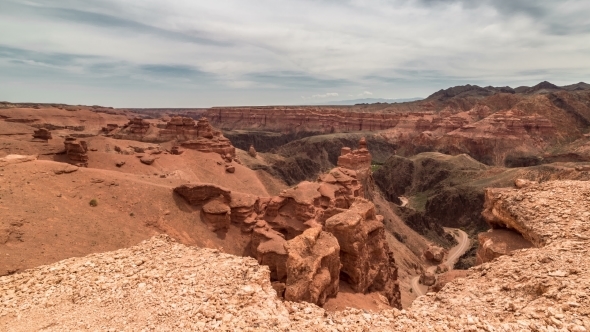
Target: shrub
{"x": 93, "y": 202}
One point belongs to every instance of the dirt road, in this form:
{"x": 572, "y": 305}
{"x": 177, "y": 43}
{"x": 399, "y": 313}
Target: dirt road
{"x": 454, "y": 254}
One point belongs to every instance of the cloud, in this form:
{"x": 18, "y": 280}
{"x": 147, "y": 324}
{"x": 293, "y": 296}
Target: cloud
{"x": 263, "y": 52}
{"x": 322, "y": 96}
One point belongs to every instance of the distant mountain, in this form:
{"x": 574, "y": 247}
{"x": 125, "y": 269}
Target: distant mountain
{"x": 477, "y": 91}
{"x": 369, "y": 101}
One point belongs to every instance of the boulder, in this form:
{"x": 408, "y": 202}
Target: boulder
{"x": 252, "y": 151}
{"x": 434, "y": 253}
{"x": 230, "y": 168}
{"x": 313, "y": 267}
{"x": 427, "y": 278}
{"x": 147, "y": 160}
{"x": 176, "y": 150}
{"x": 198, "y": 194}
{"x": 442, "y": 268}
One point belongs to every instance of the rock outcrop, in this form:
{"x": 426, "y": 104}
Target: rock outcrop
{"x": 367, "y": 262}
{"x": 329, "y": 217}
{"x": 313, "y": 267}
{"x": 434, "y": 253}
{"x": 216, "y": 214}
{"x": 355, "y": 159}
{"x": 42, "y": 134}
{"x": 498, "y": 242}
{"x": 188, "y": 133}
{"x": 76, "y": 151}
{"x": 252, "y": 151}
{"x": 360, "y": 161}
{"x": 268, "y": 247}
{"x": 198, "y": 194}
{"x": 138, "y": 126}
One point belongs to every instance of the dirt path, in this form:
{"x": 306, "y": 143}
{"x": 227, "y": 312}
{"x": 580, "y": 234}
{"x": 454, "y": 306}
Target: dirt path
{"x": 454, "y": 254}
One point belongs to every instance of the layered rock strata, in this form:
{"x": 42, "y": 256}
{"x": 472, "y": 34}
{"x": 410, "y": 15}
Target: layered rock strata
{"x": 138, "y": 126}
{"x": 76, "y": 151}
{"x": 42, "y": 134}
{"x": 190, "y": 134}
{"x": 359, "y": 160}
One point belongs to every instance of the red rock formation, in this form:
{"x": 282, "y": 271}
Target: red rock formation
{"x": 300, "y": 118}
{"x": 359, "y": 161}
{"x": 198, "y": 194}
{"x": 243, "y": 207}
{"x": 355, "y": 159}
{"x": 76, "y": 151}
{"x": 313, "y": 267}
{"x": 42, "y": 134}
{"x": 268, "y": 247}
{"x": 289, "y": 234}
{"x": 192, "y": 135}
{"x": 364, "y": 253}
{"x": 138, "y": 126}
{"x": 216, "y": 214}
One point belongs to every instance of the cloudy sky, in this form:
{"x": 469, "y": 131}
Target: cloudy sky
{"x": 198, "y": 53}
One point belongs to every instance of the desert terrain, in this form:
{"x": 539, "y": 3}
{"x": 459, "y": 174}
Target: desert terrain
{"x": 467, "y": 210}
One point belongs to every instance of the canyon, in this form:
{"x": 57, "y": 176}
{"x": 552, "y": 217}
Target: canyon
{"x": 467, "y": 210}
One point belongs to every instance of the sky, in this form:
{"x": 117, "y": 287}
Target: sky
{"x": 197, "y": 53}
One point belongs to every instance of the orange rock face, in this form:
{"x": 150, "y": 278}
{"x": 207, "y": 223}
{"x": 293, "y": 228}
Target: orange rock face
{"x": 203, "y": 138}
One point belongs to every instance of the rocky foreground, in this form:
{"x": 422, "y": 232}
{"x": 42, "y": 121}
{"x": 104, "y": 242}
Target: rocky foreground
{"x": 162, "y": 285}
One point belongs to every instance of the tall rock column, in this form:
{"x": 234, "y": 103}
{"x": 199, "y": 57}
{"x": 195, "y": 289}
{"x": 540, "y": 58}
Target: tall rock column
{"x": 367, "y": 262}
{"x": 313, "y": 267}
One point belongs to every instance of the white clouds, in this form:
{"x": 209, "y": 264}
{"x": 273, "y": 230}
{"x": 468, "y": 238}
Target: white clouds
{"x": 321, "y": 96}
{"x": 268, "y": 48}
